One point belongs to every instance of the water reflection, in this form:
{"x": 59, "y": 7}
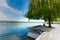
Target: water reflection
{"x": 9, "y": 29}
{"x": 18, "y": 29}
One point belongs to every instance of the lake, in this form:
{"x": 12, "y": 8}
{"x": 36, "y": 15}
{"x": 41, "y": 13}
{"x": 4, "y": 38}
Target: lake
{"x": 18, "y": 29}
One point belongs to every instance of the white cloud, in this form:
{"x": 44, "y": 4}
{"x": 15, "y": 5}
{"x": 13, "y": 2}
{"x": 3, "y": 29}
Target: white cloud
{"x": 19, "y": 12}
{"x": 23, "y": 19}
{"x": 4, "y": 4}
{"x": 15, "y": 11}
{"x": 3, "y": 16}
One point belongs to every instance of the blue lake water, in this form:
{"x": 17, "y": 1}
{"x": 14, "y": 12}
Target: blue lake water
{"x": 18, "y": 29}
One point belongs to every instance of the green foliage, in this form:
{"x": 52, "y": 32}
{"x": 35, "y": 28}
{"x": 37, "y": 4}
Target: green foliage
{"x": 49, "y": 10}
{"x": 44, "y": 8}
{"x": 34, "y": 9}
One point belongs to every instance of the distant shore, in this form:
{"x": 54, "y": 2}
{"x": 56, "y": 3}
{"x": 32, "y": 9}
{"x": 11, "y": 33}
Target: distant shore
{"x": 18, "y": 22}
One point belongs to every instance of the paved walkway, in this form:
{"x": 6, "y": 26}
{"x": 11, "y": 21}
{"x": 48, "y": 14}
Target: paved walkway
{"x": 56, "y": 32}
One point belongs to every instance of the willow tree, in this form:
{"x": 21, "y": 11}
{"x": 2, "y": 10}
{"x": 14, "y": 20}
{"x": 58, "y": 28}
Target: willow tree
{"x": 48, "y": 10}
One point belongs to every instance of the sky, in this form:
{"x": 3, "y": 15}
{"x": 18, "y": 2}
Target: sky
{"x": 13, "y": 9}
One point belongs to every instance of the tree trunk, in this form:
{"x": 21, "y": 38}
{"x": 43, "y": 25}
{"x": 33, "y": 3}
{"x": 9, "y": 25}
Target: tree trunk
{"x": 52, "y": 22}
{"x": 49, "y": 22}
